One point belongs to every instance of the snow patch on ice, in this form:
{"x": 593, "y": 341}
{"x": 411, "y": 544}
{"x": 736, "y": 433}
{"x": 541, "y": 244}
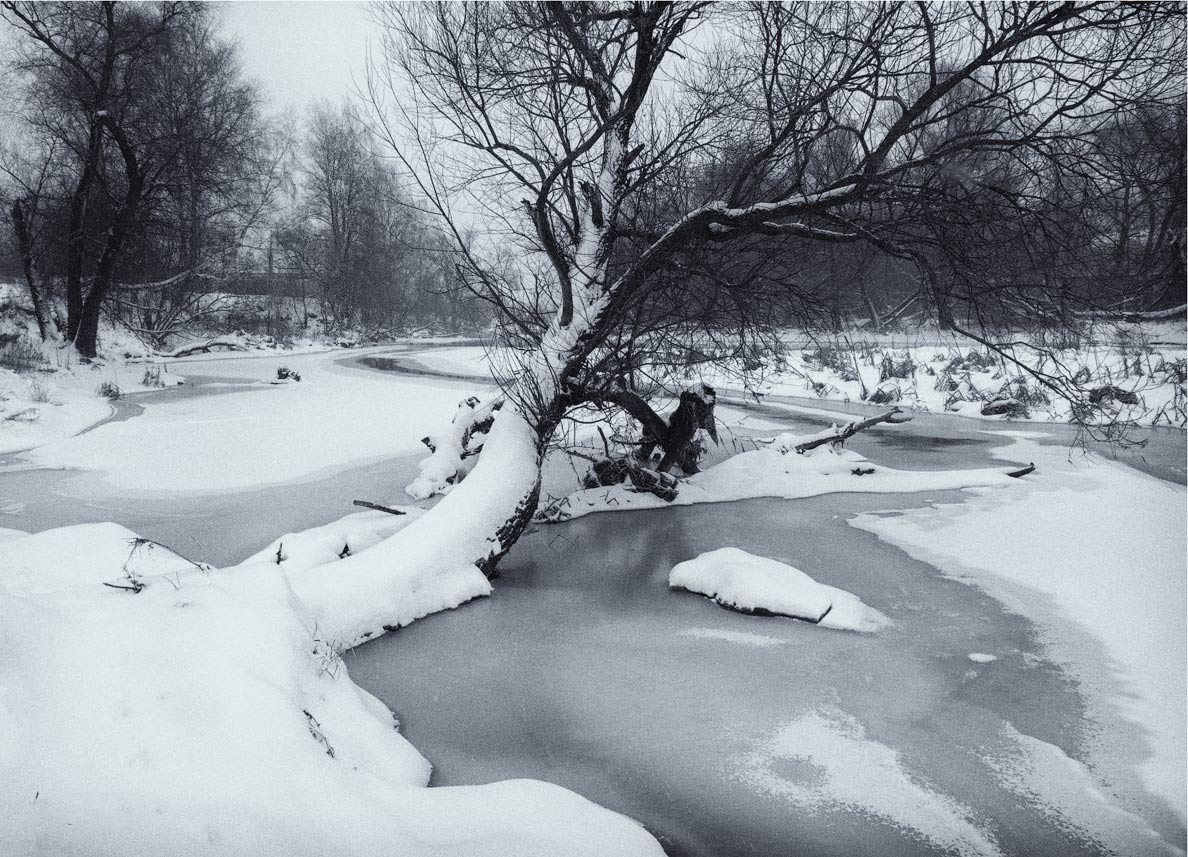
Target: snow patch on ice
{"x": 1065, "y": 791}
{"x": 744, "y": 638}
{"x": 856, "y": 773}
{"x": 849, "y": 613}
{"x": 778, "y": 471}
{"x": 982, "y": 658}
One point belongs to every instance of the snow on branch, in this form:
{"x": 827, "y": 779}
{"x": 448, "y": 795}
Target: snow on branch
{"x": 447, "y": 465}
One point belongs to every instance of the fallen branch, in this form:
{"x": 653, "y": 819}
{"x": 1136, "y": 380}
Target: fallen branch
{"x": 1175, "y": 313}
{"x": 204, "y": 348}
{"x": 894, "y": 416}
{"x": 136, "y": 586}
{"x": 366, "y": 505}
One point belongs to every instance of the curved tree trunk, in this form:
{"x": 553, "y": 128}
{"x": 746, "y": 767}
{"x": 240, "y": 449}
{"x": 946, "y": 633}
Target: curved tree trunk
{"x": 456, "y": 544}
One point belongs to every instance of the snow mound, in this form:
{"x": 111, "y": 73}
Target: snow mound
{"x": 749, "y": 583}
{"x": 206, "y": 713}
{"x": 65, "y": 558}
{"x": 754, "y": 584}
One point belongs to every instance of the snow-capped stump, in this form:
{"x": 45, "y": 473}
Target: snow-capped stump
{"x": 741, "y": 581}
{"x": 753, "y": 584}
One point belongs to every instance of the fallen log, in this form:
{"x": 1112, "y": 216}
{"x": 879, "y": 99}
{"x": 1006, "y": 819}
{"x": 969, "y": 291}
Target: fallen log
{"x": 894, "y": 416}
{"x": 204, "y": 348}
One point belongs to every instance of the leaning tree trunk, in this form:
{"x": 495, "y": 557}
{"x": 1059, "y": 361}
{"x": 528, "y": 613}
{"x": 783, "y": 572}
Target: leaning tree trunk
{"x": 455, "y": 545}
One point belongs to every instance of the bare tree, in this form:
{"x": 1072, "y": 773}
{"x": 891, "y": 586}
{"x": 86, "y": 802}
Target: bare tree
{"x": 221, "y": 165}
{"x": 154, "y": 160}
{"x": 88, "y": 66}
{"x": 571, "y": 130}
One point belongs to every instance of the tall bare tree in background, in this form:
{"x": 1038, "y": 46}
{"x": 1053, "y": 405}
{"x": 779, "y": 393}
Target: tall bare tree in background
{"x": 576, "y": 129}
{"x": 152, "y": 163}
{"x": 357, "y": 236}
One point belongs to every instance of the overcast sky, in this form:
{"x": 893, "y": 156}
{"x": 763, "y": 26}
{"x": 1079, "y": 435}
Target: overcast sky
{"x": 300, "y": 52}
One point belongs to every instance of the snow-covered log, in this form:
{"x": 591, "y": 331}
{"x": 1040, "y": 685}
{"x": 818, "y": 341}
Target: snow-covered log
{"x": 205, "y": 348}
{"x": 441, "y": 559}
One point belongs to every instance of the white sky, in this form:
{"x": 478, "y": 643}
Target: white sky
{"x": 300, "y": 52}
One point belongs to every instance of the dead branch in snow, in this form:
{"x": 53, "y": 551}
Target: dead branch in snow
{"x": 365, "y": 504}
{"x": 606, "y": 472}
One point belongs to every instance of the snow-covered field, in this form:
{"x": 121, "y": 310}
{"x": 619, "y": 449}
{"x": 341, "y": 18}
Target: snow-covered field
{"x": 60, "y": 398}
{"x": 258, "y": 430}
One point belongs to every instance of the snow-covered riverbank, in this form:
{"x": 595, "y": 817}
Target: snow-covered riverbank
{"x": 61, "y": 626}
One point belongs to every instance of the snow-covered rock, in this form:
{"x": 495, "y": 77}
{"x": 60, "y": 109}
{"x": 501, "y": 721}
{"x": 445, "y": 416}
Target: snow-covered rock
{"x": 749, "y": 583}
{"x": 755, "y": 584}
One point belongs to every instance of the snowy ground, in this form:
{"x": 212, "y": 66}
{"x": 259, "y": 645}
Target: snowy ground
{"x": 258, "y": 430}
{"x": 184, "y": 710}
{"x": 218, "y": 695}
{"x": 61, "y": 398}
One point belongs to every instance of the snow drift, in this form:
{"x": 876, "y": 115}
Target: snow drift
{"x": 209, "y": 713}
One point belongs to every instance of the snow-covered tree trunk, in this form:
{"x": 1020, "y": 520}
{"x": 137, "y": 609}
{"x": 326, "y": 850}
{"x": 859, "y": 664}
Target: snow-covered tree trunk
{"x": 484, "y": 512}
{"x": 447, "y": 552}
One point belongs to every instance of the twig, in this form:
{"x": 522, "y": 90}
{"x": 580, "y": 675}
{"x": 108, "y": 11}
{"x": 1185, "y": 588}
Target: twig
{"x": 135, "y": 587}
{"x": 367, "y": 505}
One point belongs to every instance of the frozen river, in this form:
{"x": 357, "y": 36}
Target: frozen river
{"x": 724, "y": 734}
